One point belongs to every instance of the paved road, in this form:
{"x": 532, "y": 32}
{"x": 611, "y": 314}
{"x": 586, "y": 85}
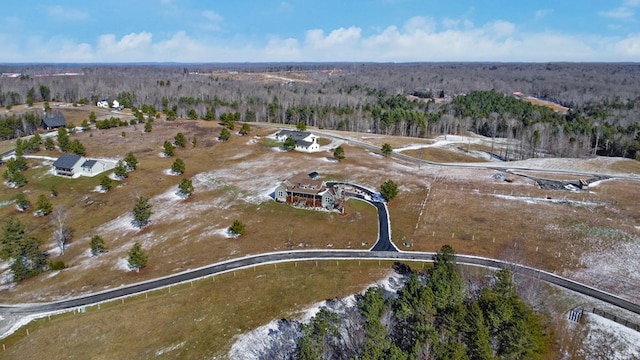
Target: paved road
{"x": 384, "y": 242}
{"x": 500, "y": 166}
{"x": 251, "y": 261}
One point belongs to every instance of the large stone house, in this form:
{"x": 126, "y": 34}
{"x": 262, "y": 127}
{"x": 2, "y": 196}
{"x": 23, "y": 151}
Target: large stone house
{"x": 305, "y": 141}
{"x": 308, "y": 191}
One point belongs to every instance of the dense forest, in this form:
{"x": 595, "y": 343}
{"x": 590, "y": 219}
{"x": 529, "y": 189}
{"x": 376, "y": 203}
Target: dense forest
{"x": 434, "y": 315}
{"x": 418, "y": 100}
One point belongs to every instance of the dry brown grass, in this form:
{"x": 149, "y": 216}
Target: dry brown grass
{"x": 441, "y": 155}
{"x": 204, "y": 316}
{"x": 466, "y": 208}
{"x": 184, "y": 233}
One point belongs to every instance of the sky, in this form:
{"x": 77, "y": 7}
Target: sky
{"x": 81, "y": 31}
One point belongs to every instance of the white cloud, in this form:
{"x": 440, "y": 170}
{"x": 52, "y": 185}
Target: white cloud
{"x": 212, "y": 22}
{"x": 419, "y": 24}
{"x": 131, "y": 47}
{"x": 278, "y": 49}
{"x": 339, "y": 37}
{"x": 212, "y": 16}
{"x": 624, "y": 12}
{"x": 619, "y": 13}
{"x": 543, "y": 13}
{"x": 67, "y": 14}
{"x": 501, "y": 28}
{"x": 629, "y": 47}
{"x": 418, "y": 39}
{"x": 285, "y": 6}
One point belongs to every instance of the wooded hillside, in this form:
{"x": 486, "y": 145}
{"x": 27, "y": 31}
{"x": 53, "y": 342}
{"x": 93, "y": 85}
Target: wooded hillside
{"x": 401, "y": 99}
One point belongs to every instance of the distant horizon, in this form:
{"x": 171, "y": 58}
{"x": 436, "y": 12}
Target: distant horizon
{"x": 69, "y": 63}
{"x": 301, "y": 31}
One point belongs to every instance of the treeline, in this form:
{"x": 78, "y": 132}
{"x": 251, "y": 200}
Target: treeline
{"x": 448, "y": 99}
{"x": 433, "y": 316}
{"x": 16, "y": 125}
{"x": 605, "y": 128}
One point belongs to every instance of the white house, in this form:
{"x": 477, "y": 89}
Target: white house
{"x": 69, "y": 165}
{"x": 103, "y": 103}
{"x": 76, "y": 165}
{"x": 305, "y": 141}
{"x": 115, "y": 104}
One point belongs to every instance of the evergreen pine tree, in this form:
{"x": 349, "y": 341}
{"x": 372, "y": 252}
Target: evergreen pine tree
{"x": 43, "y": 206}
{"x": 97, "y": 245}
{"x": 141, "y": 212}
{"x": 178, "y": 166}
{"x": 137, "y": 257}
{"x": 185, "y": 188}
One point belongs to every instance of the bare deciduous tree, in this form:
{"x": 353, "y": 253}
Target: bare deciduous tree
{"x": 62, "y": 233}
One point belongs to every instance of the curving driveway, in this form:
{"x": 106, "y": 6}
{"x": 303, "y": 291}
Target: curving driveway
{"x": 383, "y": 242}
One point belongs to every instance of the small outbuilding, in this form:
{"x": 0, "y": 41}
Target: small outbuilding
{"x": 92, "y": 167}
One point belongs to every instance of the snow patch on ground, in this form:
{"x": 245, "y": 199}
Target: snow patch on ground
{"x": 99, "y": 189}
{"x": 252, "y": 345}
{"x": 225, "y": 233}
{"x": 5, "y": 203}
{"x": 609, "y": 340}
{"x": 170, "y": 172}
{"x": 620, "y": 276}
{"x": 171, "y": 348}
{"x": 538, "y": 200}
{"x": 122, "y": 264}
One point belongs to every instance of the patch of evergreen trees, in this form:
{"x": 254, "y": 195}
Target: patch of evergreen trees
{"x": 433, "y": 316}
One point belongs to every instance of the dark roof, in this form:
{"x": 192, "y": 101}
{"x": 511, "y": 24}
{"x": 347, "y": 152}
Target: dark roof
{"x": 66, "y": 161}
{"x": 296, "y": 135}
{"x": 54, "y": 121}
{"x": 89, "y": 163}
{"x": 303, "y": 143}
{"x": 314, "y": 175}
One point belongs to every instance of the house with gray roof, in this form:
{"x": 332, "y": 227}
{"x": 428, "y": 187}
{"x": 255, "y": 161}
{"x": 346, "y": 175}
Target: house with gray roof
{"x": 53, "y": 122}
{"x": 69, "y": 165}
{"x": 75, "y": 165}
{"x": 305, "y": 141}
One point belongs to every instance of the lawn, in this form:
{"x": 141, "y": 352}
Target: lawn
{"x": 195, "y": 320}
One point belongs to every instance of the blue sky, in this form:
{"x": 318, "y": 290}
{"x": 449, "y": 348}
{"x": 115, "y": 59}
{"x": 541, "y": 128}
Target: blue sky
{"x": 320, "y": 30}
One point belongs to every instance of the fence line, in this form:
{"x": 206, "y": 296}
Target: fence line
{"x": 617, "y": 319}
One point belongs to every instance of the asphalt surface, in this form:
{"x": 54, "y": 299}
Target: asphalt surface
{"x": 251, "y": 261}
{"x": 383, "y": 242}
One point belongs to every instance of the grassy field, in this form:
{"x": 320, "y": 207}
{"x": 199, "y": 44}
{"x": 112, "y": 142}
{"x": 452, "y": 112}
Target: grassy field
{"x": 199, "y": 319}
